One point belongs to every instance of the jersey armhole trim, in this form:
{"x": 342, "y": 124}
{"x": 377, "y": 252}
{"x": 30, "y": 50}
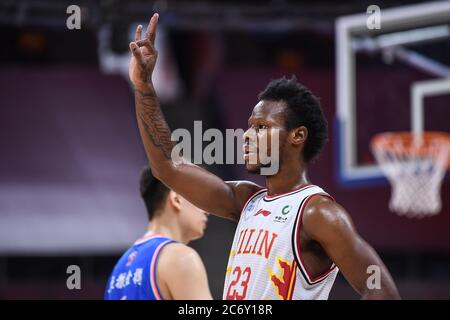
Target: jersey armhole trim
{"x": 296, "y": 244}
{"x": 153, "y": 265}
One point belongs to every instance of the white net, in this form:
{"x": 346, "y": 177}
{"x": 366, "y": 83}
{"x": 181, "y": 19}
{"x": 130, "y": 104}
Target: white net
{"x": 415, "y": 165}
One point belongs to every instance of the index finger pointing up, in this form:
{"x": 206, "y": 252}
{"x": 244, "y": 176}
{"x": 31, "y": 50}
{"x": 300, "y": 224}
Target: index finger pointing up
{"x": 151, "y": 29}
{"x": 137, "y": 35}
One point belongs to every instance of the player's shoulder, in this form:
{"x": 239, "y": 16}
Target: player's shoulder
{"x": 178, "y": 256}
{"x": 179, "y": 265}
{"x": 179, "y": 250}
{"x": 323, "y": 212}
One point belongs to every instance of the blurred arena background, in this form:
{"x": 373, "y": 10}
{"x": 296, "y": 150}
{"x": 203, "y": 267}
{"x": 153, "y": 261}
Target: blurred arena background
{"x": 71, "y": 153}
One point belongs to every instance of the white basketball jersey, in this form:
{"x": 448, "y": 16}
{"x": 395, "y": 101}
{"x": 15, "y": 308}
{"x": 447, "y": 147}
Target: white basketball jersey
{"x": 265, "y": 259}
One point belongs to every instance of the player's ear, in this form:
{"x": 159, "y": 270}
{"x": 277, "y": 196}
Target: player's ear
{"x": 174, "y": 200}
{"x": 298, "y": 135}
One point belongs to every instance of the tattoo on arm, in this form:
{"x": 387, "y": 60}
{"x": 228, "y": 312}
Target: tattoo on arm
{"x": 150, "y": 115}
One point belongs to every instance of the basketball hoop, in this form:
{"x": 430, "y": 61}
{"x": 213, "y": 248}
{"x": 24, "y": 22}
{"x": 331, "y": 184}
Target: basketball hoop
{"x": 415, "y": 165}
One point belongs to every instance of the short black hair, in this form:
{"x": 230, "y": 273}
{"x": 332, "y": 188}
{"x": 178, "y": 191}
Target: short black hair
{"x": 153, "y": 192}
{"x": 303, "y": 110}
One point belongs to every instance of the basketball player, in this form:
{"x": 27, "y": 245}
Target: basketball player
{"x": 292, "y": 237}
{"x": 160, "y": 265}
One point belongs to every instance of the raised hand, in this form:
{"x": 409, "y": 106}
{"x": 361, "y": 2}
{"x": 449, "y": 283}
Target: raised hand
{"x": 144, "y": 54}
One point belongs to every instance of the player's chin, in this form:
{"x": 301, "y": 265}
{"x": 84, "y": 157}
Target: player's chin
{"x": 198, "y": 234}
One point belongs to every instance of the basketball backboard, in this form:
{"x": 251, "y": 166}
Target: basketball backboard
{"x": 396, "y": 78}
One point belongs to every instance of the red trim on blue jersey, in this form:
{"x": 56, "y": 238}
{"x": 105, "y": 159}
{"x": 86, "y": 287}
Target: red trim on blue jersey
{"x": 153, "y": 264}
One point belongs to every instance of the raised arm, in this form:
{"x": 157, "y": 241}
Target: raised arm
{"x": 329, "y": 224}
{"x": 200, "y": 187}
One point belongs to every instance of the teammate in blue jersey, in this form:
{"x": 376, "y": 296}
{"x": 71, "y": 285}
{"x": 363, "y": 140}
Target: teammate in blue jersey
{"x": 160, "y": 265}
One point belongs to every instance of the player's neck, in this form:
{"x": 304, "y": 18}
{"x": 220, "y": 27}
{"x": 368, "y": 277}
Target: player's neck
{"x": 289, "y": 177}
{"x": 169, "y": 229}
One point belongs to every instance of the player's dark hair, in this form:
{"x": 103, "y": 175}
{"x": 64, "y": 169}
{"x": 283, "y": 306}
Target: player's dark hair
{"x": 153, "y": 192}
{"x": 303, "y": 110}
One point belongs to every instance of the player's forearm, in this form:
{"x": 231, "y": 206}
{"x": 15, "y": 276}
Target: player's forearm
{"x": 379, "y": 284}
{"x": 154, "y": 130}
{"x": 184, "y": 178}
{"x": 382, "y": 289}
{"x": 386, "y": 292}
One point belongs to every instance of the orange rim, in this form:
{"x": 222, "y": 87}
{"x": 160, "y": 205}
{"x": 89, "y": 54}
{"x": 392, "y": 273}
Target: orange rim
{"x": 407, "y": 143}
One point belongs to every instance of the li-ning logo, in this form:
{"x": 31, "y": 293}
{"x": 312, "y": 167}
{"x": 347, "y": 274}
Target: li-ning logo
{"x": 131, "y": 258}
{"x": 265, "y": 213}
